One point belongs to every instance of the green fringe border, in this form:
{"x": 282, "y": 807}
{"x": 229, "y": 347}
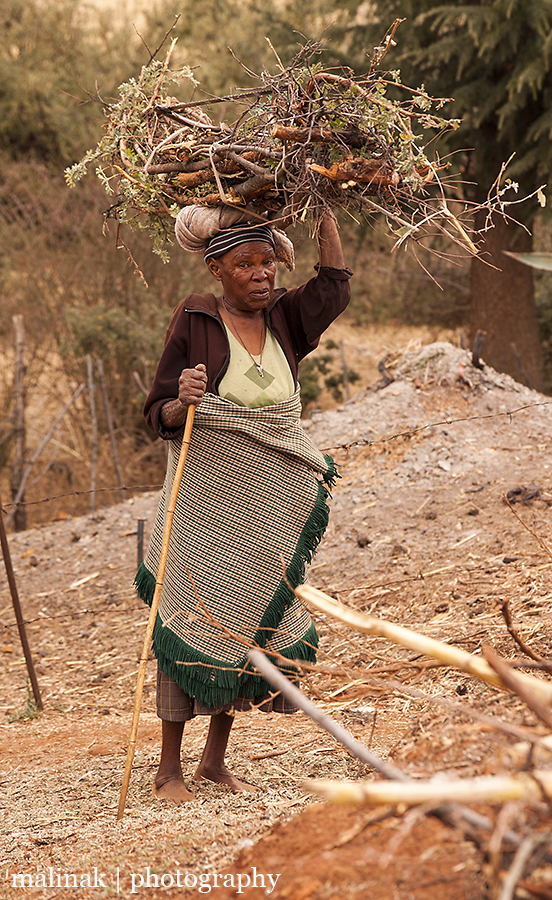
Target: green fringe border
{"x": 214, "y": 686}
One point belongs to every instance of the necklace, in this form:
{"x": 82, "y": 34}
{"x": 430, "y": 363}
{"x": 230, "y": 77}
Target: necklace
{"x": 258, "y": 365}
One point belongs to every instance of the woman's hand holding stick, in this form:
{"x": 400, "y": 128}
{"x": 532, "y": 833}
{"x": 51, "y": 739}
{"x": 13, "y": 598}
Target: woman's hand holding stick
{"x": 191, "y": 388}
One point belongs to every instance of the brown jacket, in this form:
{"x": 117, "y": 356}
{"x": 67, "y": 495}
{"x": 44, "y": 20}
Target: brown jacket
{"x": 196, "y": 334}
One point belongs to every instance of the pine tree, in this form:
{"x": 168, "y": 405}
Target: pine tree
{"x": 494, "y": 57}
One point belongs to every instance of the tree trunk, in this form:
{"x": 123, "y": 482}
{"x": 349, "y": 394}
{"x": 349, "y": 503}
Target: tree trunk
{"x": 503, "y": 304}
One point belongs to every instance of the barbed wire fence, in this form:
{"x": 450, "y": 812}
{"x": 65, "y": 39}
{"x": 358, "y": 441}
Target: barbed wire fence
{"x": 358, "y": 442}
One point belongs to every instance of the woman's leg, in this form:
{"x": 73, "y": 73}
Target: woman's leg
{"x": 211, "y": 765}
{"x": 174, "y": 709}
{"x": 169, "y": 783}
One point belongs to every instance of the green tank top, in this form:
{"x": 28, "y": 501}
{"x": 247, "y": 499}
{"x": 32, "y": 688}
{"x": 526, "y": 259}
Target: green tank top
{"x": 245, "y": 386}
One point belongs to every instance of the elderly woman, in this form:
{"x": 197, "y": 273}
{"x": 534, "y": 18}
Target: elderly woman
{"x": 253, "y": 495}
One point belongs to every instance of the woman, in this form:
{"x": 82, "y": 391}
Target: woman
{"x": 253, "y": 492}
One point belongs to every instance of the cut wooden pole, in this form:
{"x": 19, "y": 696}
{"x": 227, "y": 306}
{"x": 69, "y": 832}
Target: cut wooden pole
{"x": 448, "y": 654}
{"x": 154, "y": 606}
{"x": 110, "y": 428}
{"x": 525, "y": 786}
{"x": 94, "y": 420}
{"x": 17, "y": 610}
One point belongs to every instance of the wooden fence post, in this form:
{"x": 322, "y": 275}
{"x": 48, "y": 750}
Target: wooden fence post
{"x": 94, "y": 418}
{"x": 19, "y": 431}
{"x": 110, "y": 428}
{"x": 46, "y": 439}
{"x": 17, "y": 611}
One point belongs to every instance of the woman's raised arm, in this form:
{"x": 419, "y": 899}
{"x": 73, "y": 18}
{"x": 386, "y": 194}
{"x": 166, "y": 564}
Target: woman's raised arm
{"x": 329, "y": 243}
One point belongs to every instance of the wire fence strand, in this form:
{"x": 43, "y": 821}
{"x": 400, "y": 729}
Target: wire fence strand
{"x": 359, "y": 442}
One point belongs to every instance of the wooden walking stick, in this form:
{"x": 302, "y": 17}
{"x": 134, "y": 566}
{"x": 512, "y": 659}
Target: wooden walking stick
{"x": 154, "y": 607}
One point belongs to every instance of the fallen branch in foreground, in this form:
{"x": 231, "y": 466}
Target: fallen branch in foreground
{"x": 513, "y": 681}
{"x": 529, "y": 787}
{"x": 397, "y": 634}
{"x": 454, "y": 815}
{"x": 279, "y": 681}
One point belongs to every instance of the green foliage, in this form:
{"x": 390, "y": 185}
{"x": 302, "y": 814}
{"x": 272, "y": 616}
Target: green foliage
{"x": 29, "y": 711}
{"x": 49, "y": 51}
{"x": 150, "y": 157}
{"x": 77, "y": 291}
{"x": 128, "y": 118}
{"x": 219, "y": 38}
{"x": 336, "y": 382}
{"x": 495, "y": 58}
{"x": 309, "y": 381}
{"x": 323, "y": 366}
{"x": 110, "y": 333}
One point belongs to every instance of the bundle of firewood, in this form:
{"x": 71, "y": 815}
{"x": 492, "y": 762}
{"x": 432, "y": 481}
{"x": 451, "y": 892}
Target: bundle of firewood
{"x": 303, "y": 139}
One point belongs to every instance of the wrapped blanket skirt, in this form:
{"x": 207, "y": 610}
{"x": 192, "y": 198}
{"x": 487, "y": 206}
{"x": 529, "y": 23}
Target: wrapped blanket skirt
{"x": 252, "y": 505}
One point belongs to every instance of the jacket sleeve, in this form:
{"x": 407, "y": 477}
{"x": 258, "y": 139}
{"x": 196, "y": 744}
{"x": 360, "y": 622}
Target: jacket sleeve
{"x": 311, "y": 308}
{"x": 165, "y": 383}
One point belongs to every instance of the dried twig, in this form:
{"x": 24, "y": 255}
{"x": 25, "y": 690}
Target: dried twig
{"x": 495, "y": 848}
{"x": 505, "y": 610}
{"x": 452, "y": 814}
{"x": 522, "y": 857}
{"x": 528, "y": 528}
{"x": 276, "y": 678}
{"x": 520, "y": 687}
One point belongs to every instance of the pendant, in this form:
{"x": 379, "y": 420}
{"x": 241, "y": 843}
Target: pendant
{"x": 259, "y": 369}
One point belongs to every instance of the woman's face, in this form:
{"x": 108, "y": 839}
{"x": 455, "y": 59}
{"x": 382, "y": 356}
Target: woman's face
{"x": 247, "y": 274}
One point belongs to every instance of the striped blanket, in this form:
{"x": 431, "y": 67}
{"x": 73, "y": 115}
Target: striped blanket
{"x": 253, "y": 495}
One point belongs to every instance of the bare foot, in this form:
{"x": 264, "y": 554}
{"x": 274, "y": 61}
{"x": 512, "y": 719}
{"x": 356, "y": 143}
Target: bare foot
{"x": 221, "y": 775}
{"x": 173, "y": 789}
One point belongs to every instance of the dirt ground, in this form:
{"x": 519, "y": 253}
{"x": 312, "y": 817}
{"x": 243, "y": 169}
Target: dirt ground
{"x": 420, "y": 535}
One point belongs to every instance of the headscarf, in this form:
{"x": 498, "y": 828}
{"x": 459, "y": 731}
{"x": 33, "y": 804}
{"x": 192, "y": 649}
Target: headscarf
{"x": 226, "y": 240}
{"x": 196, "y": 226}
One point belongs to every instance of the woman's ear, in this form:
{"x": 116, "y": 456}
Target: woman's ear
{"x": 214, "y": 268}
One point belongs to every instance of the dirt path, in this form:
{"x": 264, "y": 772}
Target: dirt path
{"x": 419, "y": 534}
